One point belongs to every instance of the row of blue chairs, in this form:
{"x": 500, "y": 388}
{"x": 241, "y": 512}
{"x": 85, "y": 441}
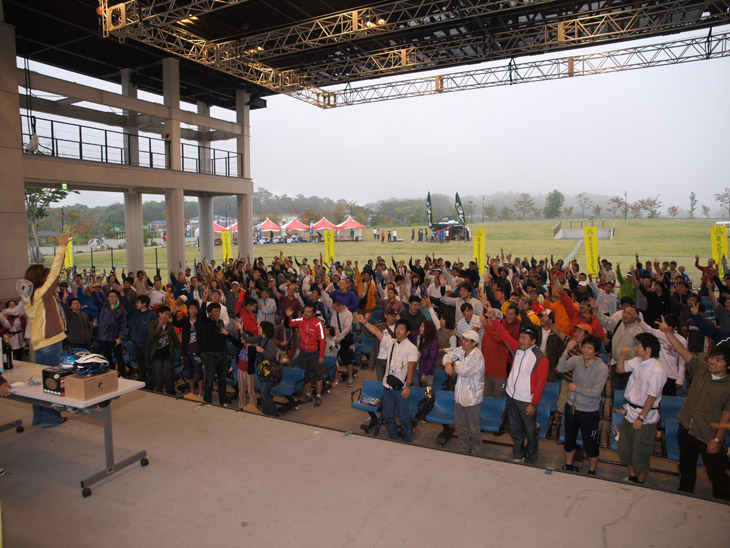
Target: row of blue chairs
{"x": 490, "y": 417}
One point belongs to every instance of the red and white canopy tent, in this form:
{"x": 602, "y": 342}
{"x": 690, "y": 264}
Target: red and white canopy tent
{"x": 324, "y": 224}
{"x": 270, "y": 225}
{"x": 218, "y": 228}
{"x": 234, "y": 227}
{"x": 344, "y": 228}
{"x": 295, "y": 224}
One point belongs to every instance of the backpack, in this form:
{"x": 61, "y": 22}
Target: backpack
{"x": 268, "y": 370}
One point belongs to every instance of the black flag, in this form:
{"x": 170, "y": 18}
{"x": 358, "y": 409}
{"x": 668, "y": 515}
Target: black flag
{"x": 460, "y": 209}
{"x": 428, "y": 211}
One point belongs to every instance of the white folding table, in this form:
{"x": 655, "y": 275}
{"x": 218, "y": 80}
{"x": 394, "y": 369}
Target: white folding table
{"x": 34, "y": 394}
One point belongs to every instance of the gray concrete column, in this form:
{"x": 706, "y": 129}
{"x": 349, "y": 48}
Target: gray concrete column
{"x": 12, "y": 205}
{"x": 244, "y": 201}
{"x": 205, "y": 225}
{"x": 175, "y": 227}
{"x": 134, "y": 231}
{"x": 171, "y": 94}
{"x": 245, "y": 225}
{"x": 204, "y": 150}
{"x": 131, "y": 141}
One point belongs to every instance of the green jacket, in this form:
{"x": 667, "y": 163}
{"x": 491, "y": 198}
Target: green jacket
{"x": 626, "y": 287}
{"x": 154, "y": 336}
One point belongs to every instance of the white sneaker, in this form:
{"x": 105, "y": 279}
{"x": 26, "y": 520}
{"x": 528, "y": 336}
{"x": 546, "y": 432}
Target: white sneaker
{"x": 519, "y": 461}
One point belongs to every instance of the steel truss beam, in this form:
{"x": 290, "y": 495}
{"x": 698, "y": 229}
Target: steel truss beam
{"x": 157, "y": 12}
{"x": 656, "y": 55}
{"x": 468, "y": 34}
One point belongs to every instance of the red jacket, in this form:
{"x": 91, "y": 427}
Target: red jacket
{"x": 539, "y": 374}
{"x": 497, "y": 356}
{"x": 249, "y": 323}
{"x": 311, "y": 334}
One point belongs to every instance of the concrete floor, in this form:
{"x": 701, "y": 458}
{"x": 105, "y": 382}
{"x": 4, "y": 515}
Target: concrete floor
{"x": 223, "y": 478}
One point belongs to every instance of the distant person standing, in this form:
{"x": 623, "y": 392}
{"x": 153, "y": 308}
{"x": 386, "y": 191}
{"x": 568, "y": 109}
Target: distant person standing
{"x": 390, "y": 238}
{"x": 395, "y": 235}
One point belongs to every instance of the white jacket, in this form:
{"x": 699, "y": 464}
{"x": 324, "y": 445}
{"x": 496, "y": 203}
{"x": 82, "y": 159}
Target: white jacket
{"x": 470, "y": 380}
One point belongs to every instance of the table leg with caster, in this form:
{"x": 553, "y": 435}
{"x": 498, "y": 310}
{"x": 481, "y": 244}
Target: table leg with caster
{"x": 111, "y": 466}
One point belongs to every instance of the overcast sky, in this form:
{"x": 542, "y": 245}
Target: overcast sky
{"x": 653, "y": 131}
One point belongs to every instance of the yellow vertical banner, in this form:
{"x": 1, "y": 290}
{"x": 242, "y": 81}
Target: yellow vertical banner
{"x": 719, "y": 246}
{"x": 590, "y": 234}
{"x": 329, "y": 246}
{"x": 69, "y": 260}
{"x": 227, "y": 247}
{"x": 480, "y": 237}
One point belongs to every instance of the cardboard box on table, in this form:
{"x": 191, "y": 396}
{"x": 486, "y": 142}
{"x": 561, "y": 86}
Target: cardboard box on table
{"x": 85, "y": 388}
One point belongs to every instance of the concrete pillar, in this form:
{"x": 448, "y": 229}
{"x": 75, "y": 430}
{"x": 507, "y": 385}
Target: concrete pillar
{"x": 245, "y": 225}
{"x": 134, "y": 231}
{"x": 12, "y": 205}
{"x": 131, "y": 141}
{"x": 171, "y": 94}
{"x": 175, "y": 228}
{"x": 204, "y": 165}
{"x": 244, "y": 201}
{"x": 205, "y": 225}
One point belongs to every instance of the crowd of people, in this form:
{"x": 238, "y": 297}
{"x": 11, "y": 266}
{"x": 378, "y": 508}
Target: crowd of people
{"x": 504, "y": 333}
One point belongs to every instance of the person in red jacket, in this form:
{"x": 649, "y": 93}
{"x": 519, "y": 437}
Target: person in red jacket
{"x": 497, "y": 356}
{"x": 582, "y": 314}
{"x": 312, "y": 345}
{"x": 524, "y": 389}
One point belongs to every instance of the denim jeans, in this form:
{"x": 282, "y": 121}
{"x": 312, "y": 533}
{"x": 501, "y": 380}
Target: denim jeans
{"x": 113, "y": 352}
{"x": 48, "y": 355}
{"x": 216, "y": 364}
{"x": 522, "y": 425}
{"x": 267, "y": 401}
{"x": 394, "y": 405}
{"x": 162, "y": 375}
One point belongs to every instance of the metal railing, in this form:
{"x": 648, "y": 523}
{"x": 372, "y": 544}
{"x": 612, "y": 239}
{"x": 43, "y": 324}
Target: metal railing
{"x": 211, "y": 161}
{"x": 67, "y": 140}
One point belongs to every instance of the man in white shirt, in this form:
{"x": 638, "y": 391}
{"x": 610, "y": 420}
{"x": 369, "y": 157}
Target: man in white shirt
{"x": 467, "y": 363}
{"x": 643, "y": 395}
{"x": 469, "y": 322}
{"x": 398, "y": 379}
{"x": 671, "y": 360}
{"x": 465, "y": 296}
{"x": 382, "y": 357}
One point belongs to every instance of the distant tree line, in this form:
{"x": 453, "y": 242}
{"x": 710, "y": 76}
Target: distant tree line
{"x": 103, "y": 220}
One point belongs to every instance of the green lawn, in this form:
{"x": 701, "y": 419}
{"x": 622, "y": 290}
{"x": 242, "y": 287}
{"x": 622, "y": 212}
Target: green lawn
{"x": 662, "y": 239}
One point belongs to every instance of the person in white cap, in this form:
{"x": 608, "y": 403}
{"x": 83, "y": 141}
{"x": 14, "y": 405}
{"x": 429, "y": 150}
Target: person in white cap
{"x": 467, "y": 364}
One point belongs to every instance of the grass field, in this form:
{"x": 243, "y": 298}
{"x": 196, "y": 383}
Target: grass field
{"x": 662, "y": 239}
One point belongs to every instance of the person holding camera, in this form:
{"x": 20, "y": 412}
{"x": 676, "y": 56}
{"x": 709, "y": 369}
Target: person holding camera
{"x": 342, "y": 321}
{"x": 582, "y": 411}
{"x": 402, "y": 356}
{"x": 467, "y": 364}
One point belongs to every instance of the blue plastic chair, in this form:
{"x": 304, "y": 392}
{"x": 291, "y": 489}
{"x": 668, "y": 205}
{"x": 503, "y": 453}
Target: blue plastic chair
{"x": 550, "y": 396}
{"x": 439, "y": 378}
{"x": 373, "y": 389}
{"x": 669, "y": 408}
{"x": 618, "y": 399}
{"x": 418, "y": 393}
{"x": 616, "y": 419}
{"x": 292, "y": 382}
{"x": 671, "y": 446}
{"x": 490, "y": 416}
{"x": 443, "y": 408}
{"x": 443, "y": 413}
{"x": 543, "y": 420}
